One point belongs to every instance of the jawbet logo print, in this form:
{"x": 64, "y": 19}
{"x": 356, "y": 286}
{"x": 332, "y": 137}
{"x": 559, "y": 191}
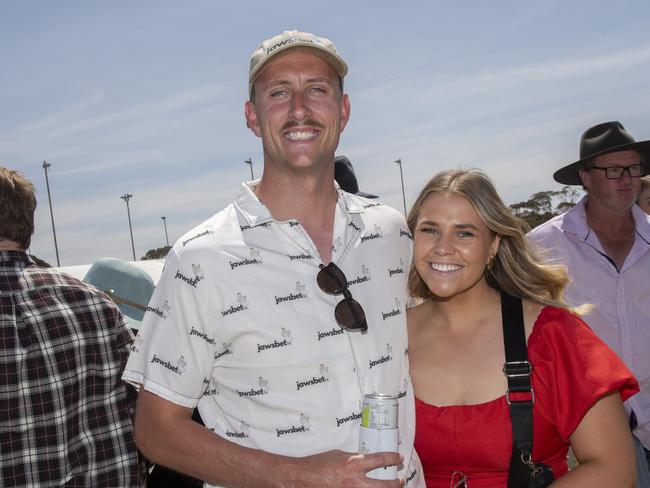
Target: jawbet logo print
{"x": 242, "y": 304}
{"x": 208, "y": 230}
{"x": 178, "y": 367}
{"x": 254, "y": 258}
{"x": 201, "y": 335}
{"x": 161, "y": 312}
{"x": 395, "y": 311}
{"x": 284, "y": 340}
{"x": 263, "y": 389}
{"x": 376, "y": 233}
{"x": 396, "y": 270}
{"x": 362, "y": 278}
{"x": 226, "y": 348}
{"x": 335, "y": 331}
{"x": 305, "y": 425}
{"x": 350, "y": 418}
{"x": 197, "y": 272}
{"x": 384, "y": 358}
{"x": 243, "y": 432}
{"x": 314, "y": 380}
{"x": 301, "y": 292}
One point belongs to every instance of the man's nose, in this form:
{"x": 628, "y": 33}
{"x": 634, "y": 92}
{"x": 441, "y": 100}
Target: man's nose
{"x": 299, "y": 109}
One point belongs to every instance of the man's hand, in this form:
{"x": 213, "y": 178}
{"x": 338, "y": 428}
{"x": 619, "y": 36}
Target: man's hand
{"x": 338, "y": 469}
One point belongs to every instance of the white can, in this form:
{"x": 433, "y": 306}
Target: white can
{"x": 378, "y": 431}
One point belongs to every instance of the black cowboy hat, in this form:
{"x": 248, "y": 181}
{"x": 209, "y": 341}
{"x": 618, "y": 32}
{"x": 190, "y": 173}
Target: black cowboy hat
{"x": 345, "y": 177}
{"x": 600, "y": 139}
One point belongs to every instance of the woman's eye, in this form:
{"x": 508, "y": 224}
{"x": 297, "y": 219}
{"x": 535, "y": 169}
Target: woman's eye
{"x": 465, "y": 233}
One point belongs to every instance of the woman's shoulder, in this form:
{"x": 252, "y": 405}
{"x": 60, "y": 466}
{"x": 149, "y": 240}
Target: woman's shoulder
{"x": 557, "y": 327}
{"x": 417, "y": 315}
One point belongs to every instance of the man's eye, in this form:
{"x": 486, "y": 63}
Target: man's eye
{"x": 278, "y": 93}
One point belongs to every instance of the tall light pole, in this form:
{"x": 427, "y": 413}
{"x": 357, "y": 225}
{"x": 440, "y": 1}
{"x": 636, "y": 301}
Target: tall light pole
{"x": 401, "y": 175}
{"x": 126, "y": 197}
{"x": 47, "y": 182}
{"x": 249, "y": 162}
{"x": 164, "y": 219}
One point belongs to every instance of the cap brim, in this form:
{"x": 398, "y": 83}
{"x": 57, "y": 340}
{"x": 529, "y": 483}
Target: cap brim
{"x": 569, "y": 174}
{"x": 132, "y": 315}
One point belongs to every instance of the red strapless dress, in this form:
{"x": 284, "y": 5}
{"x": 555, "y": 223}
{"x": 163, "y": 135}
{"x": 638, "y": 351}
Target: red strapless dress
{"x": 572, "y": 369}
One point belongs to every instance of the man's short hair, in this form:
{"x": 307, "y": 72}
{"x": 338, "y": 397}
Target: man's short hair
{"x": 17, "y": 206}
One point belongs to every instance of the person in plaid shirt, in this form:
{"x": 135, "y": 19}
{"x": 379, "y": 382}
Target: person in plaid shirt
{"x": 65, "y": 415}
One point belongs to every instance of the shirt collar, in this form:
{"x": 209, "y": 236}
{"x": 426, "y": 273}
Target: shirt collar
{"x": 255, "y": 213}
{"x": 19, "y": 258}
{"x": 575, "y": 221}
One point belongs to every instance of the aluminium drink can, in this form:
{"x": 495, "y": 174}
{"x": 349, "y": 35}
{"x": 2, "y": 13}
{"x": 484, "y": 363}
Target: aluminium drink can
{"x": 378, "y": 431}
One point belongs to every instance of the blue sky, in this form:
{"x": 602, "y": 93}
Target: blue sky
{"x": 147, "y": 98}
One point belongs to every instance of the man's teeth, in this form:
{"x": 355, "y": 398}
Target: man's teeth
{"x": 445, "y": 268}
{"x": 302, "y": 135}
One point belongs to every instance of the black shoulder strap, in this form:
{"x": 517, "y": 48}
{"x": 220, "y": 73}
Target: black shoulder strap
{"x": 518, "y": 370}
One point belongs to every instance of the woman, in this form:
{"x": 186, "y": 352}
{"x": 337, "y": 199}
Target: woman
{"x": 467, "y": 247}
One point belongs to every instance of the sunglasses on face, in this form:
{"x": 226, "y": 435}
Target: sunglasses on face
{"x": 348, "y": 312}
{"x": 615, "y": 172}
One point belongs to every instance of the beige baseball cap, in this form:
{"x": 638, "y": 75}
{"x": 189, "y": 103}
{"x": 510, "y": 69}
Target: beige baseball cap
{"x": 320, "y": 46}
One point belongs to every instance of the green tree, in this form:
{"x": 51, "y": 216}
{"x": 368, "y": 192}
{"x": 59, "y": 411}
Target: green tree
{"x": 544, "y": 205}
{"x": 159, "y": 253}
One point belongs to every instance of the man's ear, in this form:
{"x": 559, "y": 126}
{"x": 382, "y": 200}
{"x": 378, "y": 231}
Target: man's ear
{"x": 251, "y": 118}
{"x": 345, "y": 111}
{"x": 585, "y": 177}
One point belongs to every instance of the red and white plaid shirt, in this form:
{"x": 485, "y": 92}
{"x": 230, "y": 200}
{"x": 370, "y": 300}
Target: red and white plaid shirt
{"x": 65, "y": 415}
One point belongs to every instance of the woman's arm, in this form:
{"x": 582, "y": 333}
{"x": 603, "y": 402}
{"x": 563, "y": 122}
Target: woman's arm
{"x": 603, "y": 446}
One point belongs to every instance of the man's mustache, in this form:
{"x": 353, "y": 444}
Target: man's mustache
{"x": 307, "y": 122}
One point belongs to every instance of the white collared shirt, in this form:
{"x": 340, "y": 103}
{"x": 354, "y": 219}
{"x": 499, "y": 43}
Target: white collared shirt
{"x": 238, "y": 326}
{"x": 621, "y": 316}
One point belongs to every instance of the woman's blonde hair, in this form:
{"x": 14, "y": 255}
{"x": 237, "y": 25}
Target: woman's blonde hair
{"x": 516, "y": 268}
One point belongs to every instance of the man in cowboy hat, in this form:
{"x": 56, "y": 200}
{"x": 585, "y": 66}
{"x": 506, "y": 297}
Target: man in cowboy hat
{"x": 277, "y": 315}
{"x": 346, "y": 178}
{"x": 605, "y": 243}
{"x": 66, "y": 416}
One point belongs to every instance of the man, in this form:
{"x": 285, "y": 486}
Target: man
{"x": 247, "y": 321}
{"x": 346, "y": 178}
{"x": 65, "y": 417}
{"x": 605, "y": 243}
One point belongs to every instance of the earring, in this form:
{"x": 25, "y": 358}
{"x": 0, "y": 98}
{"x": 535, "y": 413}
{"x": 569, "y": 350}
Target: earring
{"x": 490, "y": 262}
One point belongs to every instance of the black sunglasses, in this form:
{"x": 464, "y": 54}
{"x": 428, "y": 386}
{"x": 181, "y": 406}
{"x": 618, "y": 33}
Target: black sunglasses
{"x": 348, "y": 312}
{"x": 615, "y": 172}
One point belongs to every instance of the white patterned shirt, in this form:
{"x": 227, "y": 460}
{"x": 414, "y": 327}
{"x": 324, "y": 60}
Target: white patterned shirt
{"x": 238, "y": 326}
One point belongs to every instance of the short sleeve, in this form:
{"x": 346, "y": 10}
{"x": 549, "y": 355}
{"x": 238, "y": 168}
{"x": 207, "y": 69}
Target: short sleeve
{"x": 573, "y": 369}
{"x": 173, "y": 354}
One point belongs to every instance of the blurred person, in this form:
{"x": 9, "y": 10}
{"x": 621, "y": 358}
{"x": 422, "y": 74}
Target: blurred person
{"x": 65, "y": 416}
{"x": 604, "y": 241}
{"x": 484, "y": 290}
{"x": 131, "y": 288}
{"x": 643, "y": 200}
{"x": 277, "y": 315}
{"x": 128, "y": 286}
{"x": 346, "y": 178}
